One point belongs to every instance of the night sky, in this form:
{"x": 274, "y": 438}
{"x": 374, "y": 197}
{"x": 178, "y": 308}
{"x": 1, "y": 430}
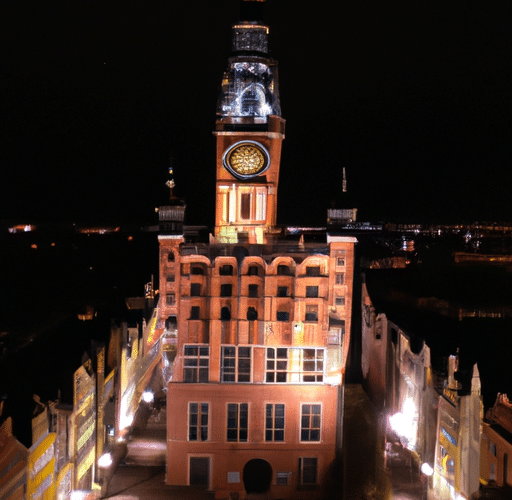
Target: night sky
{"x": 413, "y": 98}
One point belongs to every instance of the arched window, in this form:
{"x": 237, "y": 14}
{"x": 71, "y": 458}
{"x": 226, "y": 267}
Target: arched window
{"x": 225, "y": 314}
{"x": 252, "y": 314}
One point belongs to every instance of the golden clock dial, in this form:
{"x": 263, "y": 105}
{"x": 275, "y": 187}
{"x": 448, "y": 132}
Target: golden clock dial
{"x": 246, "y": 159}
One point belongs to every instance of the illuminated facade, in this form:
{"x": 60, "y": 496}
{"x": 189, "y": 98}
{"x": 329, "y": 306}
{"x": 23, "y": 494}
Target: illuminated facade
{"x": 257, "y": 318}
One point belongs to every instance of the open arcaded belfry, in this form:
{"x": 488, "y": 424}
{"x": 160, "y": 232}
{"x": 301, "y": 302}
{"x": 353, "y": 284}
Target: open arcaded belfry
{"x": 256, "y": 320}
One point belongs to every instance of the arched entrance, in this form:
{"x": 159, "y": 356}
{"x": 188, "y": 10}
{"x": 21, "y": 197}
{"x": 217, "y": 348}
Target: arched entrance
{"x": 257, "y": 476}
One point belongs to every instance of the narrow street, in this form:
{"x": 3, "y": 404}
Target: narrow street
{"x": 138, "y": 468}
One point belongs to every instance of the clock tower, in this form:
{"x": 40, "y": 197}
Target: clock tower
{"x": 249, "y": 131}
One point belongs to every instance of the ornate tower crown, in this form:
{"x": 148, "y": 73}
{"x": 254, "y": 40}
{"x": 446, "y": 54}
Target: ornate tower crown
{"x": 250, "y": 83}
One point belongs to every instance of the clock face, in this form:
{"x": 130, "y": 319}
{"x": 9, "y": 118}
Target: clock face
{"x": 246, "y": 159}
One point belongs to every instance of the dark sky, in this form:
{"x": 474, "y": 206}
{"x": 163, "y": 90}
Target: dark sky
{"x": 413, "y": 98}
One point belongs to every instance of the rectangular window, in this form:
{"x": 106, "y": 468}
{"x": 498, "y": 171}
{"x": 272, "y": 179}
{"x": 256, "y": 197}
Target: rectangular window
{"x": 226, "y": 270}
{"x": 198, "y": 270}
{"x": 311, "y": 291}
{"x": 312, "y": 365}
{"x": 236, "y": 364}
{"x": 198, "y": 421}
{"x": 226, "y": 290}
{"x": 196, "y": 362}
{"x": 308, "y": 471}
{"x": 274, "y": 422}
{"x": 340, "y": 301}
{"x": 245, "y": 206}
{"x": 311, "y": 313}
{"x": 170, "y": 278}
{"x": 253, "y": 271}
{"x": 194, "y": 312}
{"x": 170, "y": 299}
{"x": 283, "y": 316}
{"x": 283, "y": 270}
{"x": 253, "y": 290}
{"x": 340, "y": 261}
{"x": 282, "y": 291}
{"x": 195, "y": 289}
{"x": 310, "y": 421}
{"x": 340, "y": 278}
{"x": 237, "y": 422}
{"x": 261, "y": 205}
{"x": 277, "y": 364}
{"x": 313, "y": 271}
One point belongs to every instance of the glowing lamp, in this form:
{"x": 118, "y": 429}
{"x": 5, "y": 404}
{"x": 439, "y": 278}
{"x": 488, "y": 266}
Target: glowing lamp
{"x": 105, "y": 461}
{"x": 426, "y": 469}
{"x": 148, "y": 396}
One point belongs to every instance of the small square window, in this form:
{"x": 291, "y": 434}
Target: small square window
{"x": 170, "y": 299}
{"x": 340, "y": 300}
{"x": 226, "y": 270}
{"x": 311, "y": 313}
{"x": 170, "y": 278}
{"x": 311, "y": 291}
{"x": 282, "y": 291}
{"x": 313, "y": 271}
{"x": 226, "y": 290}
{"x": 283, "y": 316}
{"x": 195, "y": 289}
{"x": 340, "y": 261}
{"x": 340, "y": 278}
{"x": 253, "y": 290}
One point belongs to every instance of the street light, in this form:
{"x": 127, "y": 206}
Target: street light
{"x": 105, "y": 461}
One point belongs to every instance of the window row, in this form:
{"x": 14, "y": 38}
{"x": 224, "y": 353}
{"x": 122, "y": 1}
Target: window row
{"x": 293, "y": 365}
{"x": 282, "y": 270}
{"x": 237, "y": 422}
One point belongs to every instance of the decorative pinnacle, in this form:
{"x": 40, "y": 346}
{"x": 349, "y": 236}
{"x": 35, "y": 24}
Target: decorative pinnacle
{"x": 171, "y": 184}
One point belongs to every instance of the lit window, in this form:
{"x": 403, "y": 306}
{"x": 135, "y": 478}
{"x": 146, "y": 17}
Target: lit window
{"x": 274, "y": 422}
{"x": 311, "y": 291}
{"x": 237, "y": 422}
{"x": 196, "y": 363}
{"x": 226, "y": 290}
{"x": 311, "y": 313}
{"x": 308, "y": 471}
{"x": 492, "y": 448}
{"x": 340, "y": 278}
{"x": 195, "y": 289}
{"x": 198, "y": 421}
{"x": 236, "y": 364}
{"x": 311, "y": 416}
{"x": 170, "y": 299}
